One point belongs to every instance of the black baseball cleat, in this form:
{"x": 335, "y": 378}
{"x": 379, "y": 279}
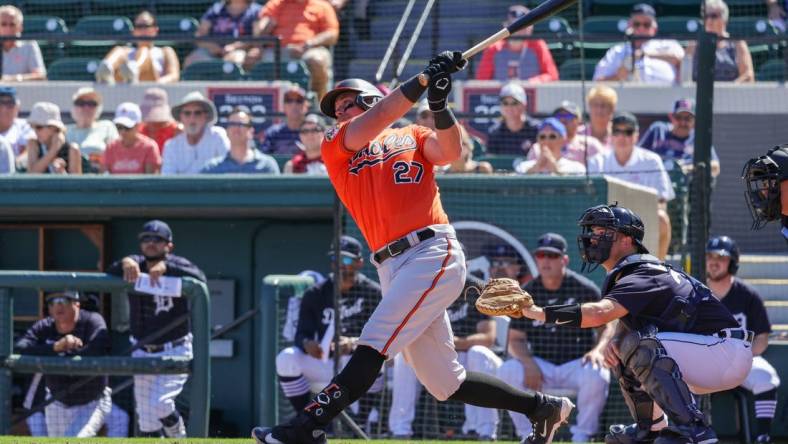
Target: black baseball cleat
{"x": 694, "y": 434}
{"x": 288, "y": 434}
{"x": 554, "y": 412}
{"x": 629, "y": 434}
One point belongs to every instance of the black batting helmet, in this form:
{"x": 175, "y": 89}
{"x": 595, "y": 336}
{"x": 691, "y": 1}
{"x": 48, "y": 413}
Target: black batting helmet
{"x": 368, "y": 95}
{"x": 619, "y": 219}
{"x": 762, "y": 176}
{"x": 725, "y": 246}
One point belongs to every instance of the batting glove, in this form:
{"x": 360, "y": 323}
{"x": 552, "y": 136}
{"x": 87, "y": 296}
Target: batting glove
{"x": 451, "y": 61}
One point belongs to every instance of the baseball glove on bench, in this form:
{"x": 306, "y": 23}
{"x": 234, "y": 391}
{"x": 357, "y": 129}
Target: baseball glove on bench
{"x": 503, "y": 297}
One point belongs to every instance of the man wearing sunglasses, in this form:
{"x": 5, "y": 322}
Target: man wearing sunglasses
{"x": 674, "y": 140}
{"x": 766, "y": 178}
{"x": 155, "y": 394}
{"x": 282, "y": 138}
{"x": 552, "y": 147}
{"x": 643, "y": 58}
{"x": 69, "y": 331}
{"x": 309, "y": 160}
{"x": 545, "y": 356}
{"x": 307, "y": 364}
{"x": 243, "y": 157}
{"x": 133, "y": 153}
{"x": 515, "y": 132}
{"x": 201, "y": 139}
{"x": 634, "y": 164}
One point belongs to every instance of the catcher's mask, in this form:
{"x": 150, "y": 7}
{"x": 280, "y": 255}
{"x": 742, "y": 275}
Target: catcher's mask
{"x": 762, "y": 176}
{"x": 595, "y": 247}
{"x": 368, "y": 95}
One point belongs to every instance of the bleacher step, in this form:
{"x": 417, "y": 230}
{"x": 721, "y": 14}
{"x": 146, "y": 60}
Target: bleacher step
{"x": 763, "y": 267}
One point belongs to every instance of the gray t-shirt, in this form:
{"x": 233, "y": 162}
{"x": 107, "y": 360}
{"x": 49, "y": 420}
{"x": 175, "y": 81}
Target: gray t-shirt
{"x": 7, "y": 163}
{"x": 94, "y": 139}
{"x": 24, "y": 58}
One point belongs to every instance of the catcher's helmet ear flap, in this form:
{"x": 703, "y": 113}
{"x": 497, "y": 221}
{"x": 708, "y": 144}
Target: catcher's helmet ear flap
{"x": 368, "y": 95}
{"x": 762, "y": 176}
{"x": 595, "y": 248}
{"x": 725, "y": 246}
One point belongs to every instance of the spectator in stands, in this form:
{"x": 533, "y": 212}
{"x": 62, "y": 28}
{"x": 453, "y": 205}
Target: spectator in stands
{"x": 515, "y": 132}
{"x": 133, "y": 153}
{"x": 7, "y": 159}
{"x": 552, "y": 142}
{"x": 474, "y": 336}
{"x": 733, "y": 61}
{"x": 518, "y": 58}
{"x": 309, "y": 160}
{"x": 142, "y": 61}
{"x": 201, "y": 140}
{"x": 227, "y": 18}
{"x": 242, "y": 157}
{"x": 465, "y": 164}
{"x": 505, "y": 262}
{"x": 634, "y": 164}
{"x": 674, "y": 140}
{"x": 746, "y": 305}
{"x": 644, "y": 58}
{"x": 601, "y": 101}
{"x": 157, "y": 122}
{"x": 545, "y": 356}
{"x": 48, "y": 151}
{"x": 306, "y": 363}
{"x": 14, "y": 130}
{"x": 89, "y": 133}
{"x": 579, "y": 147}
{"x": 69, "y": 331}
{"x": 307, "y": 29}
{"x": 281, "y": 138}
{"x": 158, "y": 328}
{"x": 22, "y": 60}
{"x": 424, "y": 116}
{"x": 777, "y": 13}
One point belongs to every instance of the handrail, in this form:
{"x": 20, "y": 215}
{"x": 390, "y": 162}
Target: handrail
{"x": 412, "y": 42}
{"x": 196, "y": 291}
{"x": 394, "y": 39}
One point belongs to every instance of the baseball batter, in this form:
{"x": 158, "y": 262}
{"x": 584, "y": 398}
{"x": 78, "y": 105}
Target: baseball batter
{"x": 69, "y": 331}
{"x": 154, "y": 395}
{"x": 767, "y": 188}
{"x": 722, "y": 263}
{"x": 384, "y": 176}
{"x": 474, "y": 334}
{"x": 675, "y": 338}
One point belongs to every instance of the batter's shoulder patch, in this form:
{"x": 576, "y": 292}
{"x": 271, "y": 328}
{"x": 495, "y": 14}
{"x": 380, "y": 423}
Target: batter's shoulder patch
{"x": 331, "y": 133}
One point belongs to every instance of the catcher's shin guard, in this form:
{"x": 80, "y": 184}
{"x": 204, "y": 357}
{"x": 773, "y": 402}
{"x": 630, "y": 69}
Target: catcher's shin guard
{"x": 640, "y": 405}
{"x": 660, "y": 377}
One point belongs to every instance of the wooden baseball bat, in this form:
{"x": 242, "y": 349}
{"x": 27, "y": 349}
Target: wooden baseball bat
{"x": 539, "y": 13}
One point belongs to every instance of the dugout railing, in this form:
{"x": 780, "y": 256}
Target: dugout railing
{"x": 199, "y": 367}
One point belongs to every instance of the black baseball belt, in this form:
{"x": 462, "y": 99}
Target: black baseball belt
{"x": 400, "y": 245}
{"x": 156, "y": 348}
{"x": 736, "y": 333}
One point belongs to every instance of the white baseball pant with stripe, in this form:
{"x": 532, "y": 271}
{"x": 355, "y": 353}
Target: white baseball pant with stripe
{"x": 418, "y": 286}
{"x": 406, "y": 388}
{"x": 81, "y": 421}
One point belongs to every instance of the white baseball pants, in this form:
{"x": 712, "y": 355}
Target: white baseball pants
{"x": 81, "y": 421}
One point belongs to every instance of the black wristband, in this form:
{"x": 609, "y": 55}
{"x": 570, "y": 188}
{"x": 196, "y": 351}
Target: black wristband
{"x": 444, "y": 119}
{"x": 569, "y": 315}
{"x": 412, "y": 89}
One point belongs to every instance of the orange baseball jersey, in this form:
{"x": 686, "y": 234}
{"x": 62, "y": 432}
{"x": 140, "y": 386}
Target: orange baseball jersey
{"x": 388, "y": 186}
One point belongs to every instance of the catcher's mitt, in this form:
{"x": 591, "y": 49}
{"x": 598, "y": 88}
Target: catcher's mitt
{"x": 503, "y": 297}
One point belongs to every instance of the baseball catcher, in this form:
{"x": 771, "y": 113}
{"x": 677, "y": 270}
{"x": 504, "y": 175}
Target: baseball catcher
{"x": 766, "y": 178}
{"x": 675, "y": 338}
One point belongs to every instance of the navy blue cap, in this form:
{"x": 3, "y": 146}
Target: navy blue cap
{"x": 348, "y": 246}
{"x": 552, "y": 242}
{"x": 8, "y": 91}
{"x": 69, "y": 294}
{"x": 500, "y": 250}
{"x": 156, "y": 228}
{"x": 643, "y": 8}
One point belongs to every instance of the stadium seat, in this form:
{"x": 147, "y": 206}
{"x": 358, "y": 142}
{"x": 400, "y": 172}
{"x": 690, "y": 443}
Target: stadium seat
{"x": 192, "y": 8}
{"x": 613, "y": 7}
{"x": 459, "y": 8}
{"x": 115, "y": 28}
{"x": 128, "y": 8}
{"x": 213, "y": 70}
{"x": 743, "y": 27}
{"x": 595, "y": 27}
{"x": 571, "y": 69}
{"x": 48, "y": 31}
{"x": 172, "y": 27}
{"x": 73, "y": 68}
{"x": 366, "y": 68}
{"x": 68, "y": 10}
{"x": 678, "y": 7}
{"x": 772, "y": 70}
{"x": 679, "y": 27}
{"x": 294, "y": 71}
